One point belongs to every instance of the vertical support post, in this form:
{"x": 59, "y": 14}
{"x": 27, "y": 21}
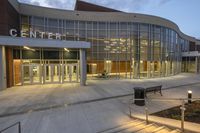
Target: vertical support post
{"x": 148, "y": 69}
{"x": 83, "y": 67}
{"x": 146, "y": 112}
{"x": 182, "y": 116}
{"x": 196, "y": 64}
{"x": 130, "y": 111}
{"x": 19, "y": 127}
{"x": 3, "y": 82}
{"x": 147, "y": 115}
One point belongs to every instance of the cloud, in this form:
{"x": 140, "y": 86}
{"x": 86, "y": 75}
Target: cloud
{"x": 64, "y": 4}
{"x": 163, "y": 2}
{"x": 60, "y": 4}
{"x": 123, "y": 5}
{"x": 36, "y": 3}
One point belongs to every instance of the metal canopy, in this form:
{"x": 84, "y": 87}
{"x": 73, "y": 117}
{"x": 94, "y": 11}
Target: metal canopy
{"x": 44, "y": 43}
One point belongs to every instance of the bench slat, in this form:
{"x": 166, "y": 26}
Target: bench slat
{"x": 154, "y": 89}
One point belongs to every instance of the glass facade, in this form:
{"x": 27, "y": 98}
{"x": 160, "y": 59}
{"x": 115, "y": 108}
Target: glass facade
{"x": 119, "y": 49}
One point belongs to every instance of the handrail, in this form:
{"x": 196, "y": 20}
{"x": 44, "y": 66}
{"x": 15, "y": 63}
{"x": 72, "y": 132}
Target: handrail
{"x": 17, "y": 123}
{"x": 163, "y": 99}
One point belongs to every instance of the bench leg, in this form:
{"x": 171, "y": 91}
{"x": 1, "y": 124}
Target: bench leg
{"x": 145, "y": 95}
{"x": 161, "y": 93}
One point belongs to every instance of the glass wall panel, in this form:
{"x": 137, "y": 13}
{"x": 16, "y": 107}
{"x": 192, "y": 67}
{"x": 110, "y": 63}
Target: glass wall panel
{"x": 121, "y": 49}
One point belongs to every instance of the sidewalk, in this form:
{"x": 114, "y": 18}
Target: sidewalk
{"x": 21, "y": 99}
{"x": 91, "y": 117}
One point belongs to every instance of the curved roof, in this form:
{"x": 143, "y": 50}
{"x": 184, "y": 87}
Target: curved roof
{"x": 33, "y": 10}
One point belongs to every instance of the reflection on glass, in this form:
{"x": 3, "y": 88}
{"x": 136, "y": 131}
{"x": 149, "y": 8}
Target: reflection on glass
{"x": 70, "y": 73}
{"x": 151, "y": 46}
{"x": 55, "y": 73}
{"x": 36, "y": 74}
{"x": 48, "y": 73}
{"x": 27, "y": 75}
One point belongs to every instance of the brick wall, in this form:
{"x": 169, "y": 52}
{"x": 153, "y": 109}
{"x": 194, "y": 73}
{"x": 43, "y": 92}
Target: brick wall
{"x": 9, "y": 17}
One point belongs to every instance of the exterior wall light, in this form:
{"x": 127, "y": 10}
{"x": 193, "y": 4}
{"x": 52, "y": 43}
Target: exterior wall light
{"x": 189, "y": 96}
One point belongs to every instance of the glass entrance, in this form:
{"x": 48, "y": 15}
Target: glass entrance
{"x": 52, "y": 73}
{"x": 70, "y": 73}
{"x": 31, "y": 74}
{"x": 26, "y": 75}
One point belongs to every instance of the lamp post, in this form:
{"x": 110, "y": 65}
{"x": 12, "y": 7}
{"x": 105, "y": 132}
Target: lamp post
{"x": 189, "y": 96}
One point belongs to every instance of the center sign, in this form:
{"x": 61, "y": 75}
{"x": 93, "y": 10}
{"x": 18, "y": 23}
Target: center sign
{"x": 36, "y": 34}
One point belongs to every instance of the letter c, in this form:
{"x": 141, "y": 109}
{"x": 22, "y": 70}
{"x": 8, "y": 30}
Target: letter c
{"x": 13, "y": 32}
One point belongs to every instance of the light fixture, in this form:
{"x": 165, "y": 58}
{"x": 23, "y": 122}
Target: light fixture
{"x": 25, "y": 47}
{"x": 67, "y": 50}
{"x": 106, "y": 41}
{"x": 108, "y": 46}
{"x": 94, "y": 64}
{"x": 114, "y": 42}
{"x": 108, "y": 61}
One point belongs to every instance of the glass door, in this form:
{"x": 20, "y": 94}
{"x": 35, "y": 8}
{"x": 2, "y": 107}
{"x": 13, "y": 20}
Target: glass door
{"x": 52, "y": 73}
{"x": 35, "y": 74}
{"x": 74, "y": 72}
{"x": 26, "y": 75}
{"x": 70, "y": 73}
{"x": 55, "y": 73}
{"x": 31, "y": 74}
{"x": 47, "y": 73}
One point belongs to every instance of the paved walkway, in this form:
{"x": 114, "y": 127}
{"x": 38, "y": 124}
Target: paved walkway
{"x": 23, "y": 99}
{"x": 90, "y": 117}
{"x": 86, "y": 117}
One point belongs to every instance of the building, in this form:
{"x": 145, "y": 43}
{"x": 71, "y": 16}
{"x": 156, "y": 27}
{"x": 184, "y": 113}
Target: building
{"x": 40, "y": 45}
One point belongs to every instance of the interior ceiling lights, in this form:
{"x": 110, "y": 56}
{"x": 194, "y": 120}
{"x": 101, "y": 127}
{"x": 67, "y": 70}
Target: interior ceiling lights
{"x": 27, "y": 48}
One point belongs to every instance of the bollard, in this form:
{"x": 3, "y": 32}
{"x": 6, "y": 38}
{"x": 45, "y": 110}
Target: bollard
{"x": 182, "y": 115}
{"x": 189, "y": 96}
{"x": 146, "y": 112}
{"x": 147, "y": 115}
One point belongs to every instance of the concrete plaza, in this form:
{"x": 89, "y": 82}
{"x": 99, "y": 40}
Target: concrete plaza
{"x": 71, "y": 108}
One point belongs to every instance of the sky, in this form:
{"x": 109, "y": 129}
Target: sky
{"x": 185, "y": 13}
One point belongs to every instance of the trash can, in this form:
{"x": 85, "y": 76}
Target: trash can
{"x": 139, "y": 94}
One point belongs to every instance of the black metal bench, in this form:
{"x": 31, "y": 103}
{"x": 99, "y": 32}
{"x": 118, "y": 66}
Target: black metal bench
{"x": 154, "y": 89}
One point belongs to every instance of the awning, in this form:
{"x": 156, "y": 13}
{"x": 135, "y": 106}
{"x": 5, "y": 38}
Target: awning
{"x": 43, "y": 43}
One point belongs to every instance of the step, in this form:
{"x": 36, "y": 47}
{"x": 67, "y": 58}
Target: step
{"x": 148, "y": 129}
{"x": 136, "y": 128}
{"x": 164, "y": 130}
{"x": 158, "y": 129}
{"x": 175, "y": 131}
{"x": 122, "y": 127}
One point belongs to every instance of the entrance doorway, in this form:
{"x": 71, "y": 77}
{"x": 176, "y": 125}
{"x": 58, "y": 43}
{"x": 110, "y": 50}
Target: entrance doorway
{"x": 52, "y": 73}
{"x": 70, "y": 73}
{"x": 31, "y": 74}
{"x": 49, "y": 73}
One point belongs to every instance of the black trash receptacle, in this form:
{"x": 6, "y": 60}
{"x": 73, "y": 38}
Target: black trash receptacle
{"x": 139, "y": 94}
